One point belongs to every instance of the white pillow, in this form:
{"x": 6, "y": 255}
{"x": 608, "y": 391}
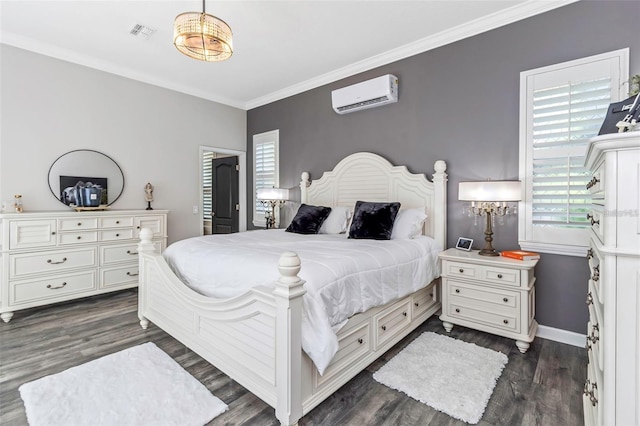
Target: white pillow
{"x": 337, "y": 221}
{"x": 408, "y": 224}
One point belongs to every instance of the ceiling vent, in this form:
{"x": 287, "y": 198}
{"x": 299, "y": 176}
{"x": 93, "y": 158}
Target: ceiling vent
{"x": 141, "y": 31}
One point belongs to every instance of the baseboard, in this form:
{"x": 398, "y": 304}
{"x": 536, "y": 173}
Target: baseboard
{"x": 562, "y": 336}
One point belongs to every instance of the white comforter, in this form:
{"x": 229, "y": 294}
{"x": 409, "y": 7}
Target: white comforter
{"x": 343, "y": 276}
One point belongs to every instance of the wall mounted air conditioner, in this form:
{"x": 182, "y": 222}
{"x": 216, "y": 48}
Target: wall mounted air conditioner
{"x": 368, "y": 94}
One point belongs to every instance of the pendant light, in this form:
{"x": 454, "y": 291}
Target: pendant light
{"x": 202, "y": 36}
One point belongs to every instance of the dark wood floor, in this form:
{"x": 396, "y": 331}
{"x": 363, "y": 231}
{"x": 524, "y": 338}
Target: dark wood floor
{"x": 542, "y": 387}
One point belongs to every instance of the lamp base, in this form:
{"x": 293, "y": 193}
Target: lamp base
{"x": 488, "y": 252}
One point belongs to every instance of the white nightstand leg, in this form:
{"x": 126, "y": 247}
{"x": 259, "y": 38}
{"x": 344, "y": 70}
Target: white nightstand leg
{"x": 447, "y": 326}
{"x": 523, "y": 346}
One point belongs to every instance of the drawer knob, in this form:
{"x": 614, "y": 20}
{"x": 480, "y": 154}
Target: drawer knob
{"x": 457, "y": 290}
{"x": 505, "y": 321}
{"x": 404, "y": 314}
{"x": 416, "y": 304}
{"x": 457, "y": 310}
{"x": 132, "y": 253}
{"x": 588, "y": 347}
{"x": 137, "y": 227}
{"x": 117, "y": 235}
{"x": 64, "y": 259}
{"x": 79, "y": 223}
{"x": 589, "y": 253}
{"x": 384, "y": 328}
{"x": 505, "y": 300}
{"x": 360, "y": 341}
{"x": 52, "y": 287}
{"x": 133, "y": 274}
{"x": 461, "y": 270}
{"x": 431, "y": 295}
{"x": 589, "y": 299}
{"x": 117, "y": 222}
{"x": 53, "y": 233}
{"x": 499, "y": 275}
{"x": 79, "y": 237}
{"x": 596, "y": 273}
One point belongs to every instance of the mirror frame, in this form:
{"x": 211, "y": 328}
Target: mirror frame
{"x": 57, "y": 196}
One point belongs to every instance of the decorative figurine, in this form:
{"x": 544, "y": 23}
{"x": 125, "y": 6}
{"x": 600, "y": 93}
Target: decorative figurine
{"x": 18, "y": 203}
{"x": 148, "y": 195}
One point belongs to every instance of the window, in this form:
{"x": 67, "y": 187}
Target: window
{"x": 207, "y": 190}
{"x": 265, "y": 170}
{"x": 561, "y": 107}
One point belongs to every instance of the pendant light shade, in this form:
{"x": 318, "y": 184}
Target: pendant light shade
{"x": 202, "y": 36}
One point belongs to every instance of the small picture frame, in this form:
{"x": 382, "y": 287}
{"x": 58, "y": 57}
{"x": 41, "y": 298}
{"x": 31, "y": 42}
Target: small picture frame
{"x": 464, "y": 244}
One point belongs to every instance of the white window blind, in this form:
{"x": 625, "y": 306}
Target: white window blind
{"x": 265, "y": 169}
{"x": 562, "y": 107}
{"x": 207, "y": 185}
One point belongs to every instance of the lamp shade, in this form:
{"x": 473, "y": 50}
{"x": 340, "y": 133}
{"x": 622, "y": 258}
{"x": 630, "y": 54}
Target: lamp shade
{"x": 272, "y": 194}
{"x": 202, "y": 36}
{"x": 490, "y": 190}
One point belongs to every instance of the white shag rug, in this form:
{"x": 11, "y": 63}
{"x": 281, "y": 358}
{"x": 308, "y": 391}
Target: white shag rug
{"x": 137, "y": 386}
{"x": 449, "y": 375}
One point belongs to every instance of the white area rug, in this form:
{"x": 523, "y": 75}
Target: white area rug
{"x": 449, "y": 375}
{"x": 137, "y": 386}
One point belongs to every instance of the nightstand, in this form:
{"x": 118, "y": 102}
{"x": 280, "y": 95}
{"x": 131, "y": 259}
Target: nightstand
{"x": 491, "y": 294}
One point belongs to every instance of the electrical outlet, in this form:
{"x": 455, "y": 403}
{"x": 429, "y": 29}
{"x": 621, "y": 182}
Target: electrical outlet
{"x": 195, "y": 209}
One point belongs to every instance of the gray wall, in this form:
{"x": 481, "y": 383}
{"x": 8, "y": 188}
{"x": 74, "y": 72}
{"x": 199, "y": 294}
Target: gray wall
{"x": 49, "y": 107}
{"x": 459, "y": 103}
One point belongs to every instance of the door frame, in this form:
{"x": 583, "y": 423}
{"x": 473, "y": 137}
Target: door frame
{"x": 242, "y": 182}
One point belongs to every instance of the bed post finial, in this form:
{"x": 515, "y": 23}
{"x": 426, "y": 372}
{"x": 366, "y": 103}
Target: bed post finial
{"x": 288, "y": 292}
{"x": 304, "y": 184}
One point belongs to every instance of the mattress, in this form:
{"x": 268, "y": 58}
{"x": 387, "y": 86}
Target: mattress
{"x": 342, "y": 276}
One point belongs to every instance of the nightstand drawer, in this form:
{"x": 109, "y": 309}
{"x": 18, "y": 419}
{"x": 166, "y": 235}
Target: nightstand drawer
{"x": 488, "y": 317}
{"x": 390, "y": 322}
{"x": 455, "y": 269}
{"x": 501, "y": 275}
{"x": 484, "y": 295}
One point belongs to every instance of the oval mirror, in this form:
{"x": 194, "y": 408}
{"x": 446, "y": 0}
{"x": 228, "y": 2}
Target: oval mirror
{"x": 85, "y": 165}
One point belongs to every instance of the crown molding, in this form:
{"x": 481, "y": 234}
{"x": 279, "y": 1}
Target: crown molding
{"x": 52, "y": 51}
{"x": 468, "y": 29}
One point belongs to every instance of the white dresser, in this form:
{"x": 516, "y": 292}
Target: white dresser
{"x": 612, "y": 389}
{"x": 494, "y": 294}
{"x": 50, "y": 257}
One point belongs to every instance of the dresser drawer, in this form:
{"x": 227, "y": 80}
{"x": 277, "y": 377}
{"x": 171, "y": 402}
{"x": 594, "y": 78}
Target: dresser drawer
{"x": 353, "y": 344}
{"x": 25, "y": 264}
{"x": 596, "y": 218}
{"x": 80, "y": 237}
{"x": 32, "y": 233}
{"x": 116, "y": 222}
{"x": 592, "y": 393}
{"x": 596, "y": 184}
{"x": 423, "y": 300}
{"x": 116, "y": 234}
{"x": 119, "y": 277}
{"x": 80, "y": 223}
{"x": 54, "y": 288}
{"x": 391, "y": 321}
{"x": 110, "y": 254}
{"x": 596, "y": 270}
{"x": 155, "y": 223}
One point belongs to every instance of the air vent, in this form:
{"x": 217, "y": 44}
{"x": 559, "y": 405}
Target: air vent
{"x": 142, "y": 31}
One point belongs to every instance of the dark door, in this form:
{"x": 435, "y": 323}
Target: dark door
{"x": 224, "y": 200}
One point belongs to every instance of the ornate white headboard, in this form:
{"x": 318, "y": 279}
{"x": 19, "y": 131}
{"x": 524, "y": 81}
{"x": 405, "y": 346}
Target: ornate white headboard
{"x": 368, "y": 177}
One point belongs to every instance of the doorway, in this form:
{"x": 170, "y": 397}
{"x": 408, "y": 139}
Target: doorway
{"x": 223, "y": 190}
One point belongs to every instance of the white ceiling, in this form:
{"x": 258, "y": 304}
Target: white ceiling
{"x": 280, "y": 47}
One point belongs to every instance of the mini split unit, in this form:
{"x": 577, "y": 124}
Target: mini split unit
{"x": 378, "y": 91}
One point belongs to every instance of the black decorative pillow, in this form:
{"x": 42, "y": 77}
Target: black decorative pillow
{"x": 309, "y": 219}
{"x": 373, "y": 221}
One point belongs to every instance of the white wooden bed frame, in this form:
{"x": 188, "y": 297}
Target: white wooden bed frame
{"x": 255, "y": 338}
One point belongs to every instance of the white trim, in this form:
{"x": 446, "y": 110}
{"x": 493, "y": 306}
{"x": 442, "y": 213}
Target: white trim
{"x": 465, "y": 30}
{"x": 562, "y": 336}
{"x": 468, "y": 29}
{"x": 242, "y": 183}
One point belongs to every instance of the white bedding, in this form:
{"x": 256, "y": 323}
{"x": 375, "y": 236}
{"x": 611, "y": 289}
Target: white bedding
{"x": 343, "y": 276}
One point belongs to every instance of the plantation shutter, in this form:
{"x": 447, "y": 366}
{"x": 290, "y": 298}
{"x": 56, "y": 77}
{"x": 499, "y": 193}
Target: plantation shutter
{"x": 207, "y": 184}
{"x": 564, "y": 118}
{"x": 265, "y": 169}
{"x": 562, "y": 106}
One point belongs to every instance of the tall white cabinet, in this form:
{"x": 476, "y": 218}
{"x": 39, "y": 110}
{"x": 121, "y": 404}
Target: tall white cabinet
{"x": 612, "y": 389}
{"x": 50, "y": 257}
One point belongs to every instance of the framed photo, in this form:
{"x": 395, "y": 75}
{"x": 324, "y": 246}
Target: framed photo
{"x": 464, "y": 244}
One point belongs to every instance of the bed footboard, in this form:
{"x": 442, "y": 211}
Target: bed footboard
{"x": 254, "y": 338}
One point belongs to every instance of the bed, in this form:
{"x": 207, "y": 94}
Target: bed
{"x": 256, "y": 337}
